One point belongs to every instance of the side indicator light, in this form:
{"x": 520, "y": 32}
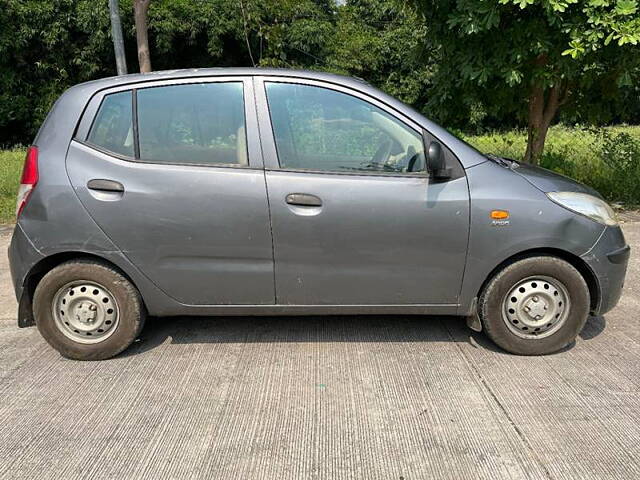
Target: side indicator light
{"x": 499, "y": 214}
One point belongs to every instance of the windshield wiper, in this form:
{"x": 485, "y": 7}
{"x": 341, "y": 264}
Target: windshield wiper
{"x": 505, "y": 162}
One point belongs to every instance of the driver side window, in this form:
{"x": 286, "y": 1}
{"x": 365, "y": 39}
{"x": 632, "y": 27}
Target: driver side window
{"x": 317, "y": 128}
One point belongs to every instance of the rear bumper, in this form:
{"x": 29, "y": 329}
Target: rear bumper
{"x": 22, "y": 258}
{"x": 608, "y": 260}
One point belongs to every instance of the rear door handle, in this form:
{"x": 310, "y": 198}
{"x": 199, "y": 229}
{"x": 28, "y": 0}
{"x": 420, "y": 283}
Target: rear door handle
{"x": 303, "y": 200}
{"x": 103, "y": 185}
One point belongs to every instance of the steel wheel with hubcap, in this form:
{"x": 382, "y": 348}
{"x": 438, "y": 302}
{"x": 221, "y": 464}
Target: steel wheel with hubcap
{"x": 85, "y": 312}
{"x": 535, "y": 305}
{"x": 88, "y": 310}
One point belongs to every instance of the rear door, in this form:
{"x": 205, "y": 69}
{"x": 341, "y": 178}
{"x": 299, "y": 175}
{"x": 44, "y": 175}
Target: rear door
{"x": 173, "y": 174}
{"x": 356, "y": 219}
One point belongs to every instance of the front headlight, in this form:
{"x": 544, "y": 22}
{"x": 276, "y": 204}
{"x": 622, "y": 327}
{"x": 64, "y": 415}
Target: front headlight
{"x": 586, "y": 205}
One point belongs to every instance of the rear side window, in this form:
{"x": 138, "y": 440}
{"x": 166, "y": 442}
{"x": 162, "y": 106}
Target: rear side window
{"x": 112, "y": 128}
{"x": 194, "y": 124}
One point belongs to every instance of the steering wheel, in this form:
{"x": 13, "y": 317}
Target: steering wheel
{"x": 383, "y": 153}
{"x": 411, "y": 158}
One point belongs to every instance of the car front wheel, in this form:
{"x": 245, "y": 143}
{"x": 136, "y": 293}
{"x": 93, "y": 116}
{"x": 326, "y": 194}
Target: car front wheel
{"x": 87, "y": 310}
{"x": 535, "y": 306}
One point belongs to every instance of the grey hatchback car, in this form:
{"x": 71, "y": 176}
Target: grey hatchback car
{"x": 276, "y": 192}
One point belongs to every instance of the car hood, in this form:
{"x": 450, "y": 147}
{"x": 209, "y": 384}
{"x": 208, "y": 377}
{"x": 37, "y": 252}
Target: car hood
{"x": 549, "y": 181}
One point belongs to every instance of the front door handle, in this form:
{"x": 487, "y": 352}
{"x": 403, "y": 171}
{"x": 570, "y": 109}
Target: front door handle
{"x": 303, "y": 200}
{"x": 103, "y": 185}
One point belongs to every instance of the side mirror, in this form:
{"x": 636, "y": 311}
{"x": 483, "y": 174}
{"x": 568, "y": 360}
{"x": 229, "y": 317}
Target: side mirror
{"x": 435, "y": 162}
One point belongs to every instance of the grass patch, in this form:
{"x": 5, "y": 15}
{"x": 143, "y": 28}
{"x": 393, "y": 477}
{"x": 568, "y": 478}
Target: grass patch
{"x": 11, "y": 162}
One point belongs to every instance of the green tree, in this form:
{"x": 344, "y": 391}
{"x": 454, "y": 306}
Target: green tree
{"x": 46, "y": 46}
{"x": 286, "y": 33}
{"x": 140, "y": 15}
{"x": 531, "y": 57}
{"x": 469, "y": 74}
{"x": 381, "y": 41}
{"x": 280, "y": 33}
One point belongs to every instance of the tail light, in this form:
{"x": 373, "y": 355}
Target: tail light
{"x": 28, "y": 180}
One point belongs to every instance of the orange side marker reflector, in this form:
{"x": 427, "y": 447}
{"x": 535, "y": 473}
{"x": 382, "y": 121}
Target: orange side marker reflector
{"x": 499, "y": 214}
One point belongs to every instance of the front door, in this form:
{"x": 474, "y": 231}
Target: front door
{"x": 356, "y": 220}
{"x": 179, "y": 187}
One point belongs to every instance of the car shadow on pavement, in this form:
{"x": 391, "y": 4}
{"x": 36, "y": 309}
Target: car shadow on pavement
{"x": 285, "y": 329}
{"x": 592, "y": 328}
{"x": 318, "y": 329}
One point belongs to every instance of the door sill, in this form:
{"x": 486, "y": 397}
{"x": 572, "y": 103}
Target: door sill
{"x": 413, "y": 309}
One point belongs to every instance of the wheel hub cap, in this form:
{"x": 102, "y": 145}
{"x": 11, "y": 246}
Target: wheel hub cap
{"x": 536, "y": 307}
{"x": 85, "y": 312}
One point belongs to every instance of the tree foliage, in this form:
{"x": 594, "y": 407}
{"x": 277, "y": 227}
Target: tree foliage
{"x": 526, "y": 58}
{"x": 381, "y": 42}
{"x": 44, "y": 48}
{"x": 466, "y": 63}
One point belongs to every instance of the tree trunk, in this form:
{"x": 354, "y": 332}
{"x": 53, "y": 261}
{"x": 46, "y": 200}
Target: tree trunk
{"x": 116, "y": 33}
{"x": 542, "y": 110}
{"x": 140, "y": 9}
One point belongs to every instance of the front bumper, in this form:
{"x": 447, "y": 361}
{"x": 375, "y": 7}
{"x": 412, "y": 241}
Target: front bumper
{"x": 608, "y": 260}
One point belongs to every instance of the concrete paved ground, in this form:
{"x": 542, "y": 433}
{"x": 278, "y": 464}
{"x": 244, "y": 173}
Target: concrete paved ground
{"x": 302, "y": 398}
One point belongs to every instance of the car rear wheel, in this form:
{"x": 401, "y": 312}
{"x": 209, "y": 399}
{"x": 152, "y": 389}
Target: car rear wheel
{"x": 87, "y": 310}
{"x": 535, "y": 306}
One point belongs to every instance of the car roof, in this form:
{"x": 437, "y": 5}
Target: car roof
{"x": 222, "y": 71}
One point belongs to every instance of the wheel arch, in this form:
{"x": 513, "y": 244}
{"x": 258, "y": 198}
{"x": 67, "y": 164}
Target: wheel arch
{"x": 574, "y": 260}
{"x": 45, "y": 265}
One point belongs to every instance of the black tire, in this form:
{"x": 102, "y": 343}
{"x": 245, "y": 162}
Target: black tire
{"x": 490, "y": 305}
{"x": 132, "y": 313}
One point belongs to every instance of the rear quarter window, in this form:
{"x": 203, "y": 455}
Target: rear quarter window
{"x": 112, "y": 128}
